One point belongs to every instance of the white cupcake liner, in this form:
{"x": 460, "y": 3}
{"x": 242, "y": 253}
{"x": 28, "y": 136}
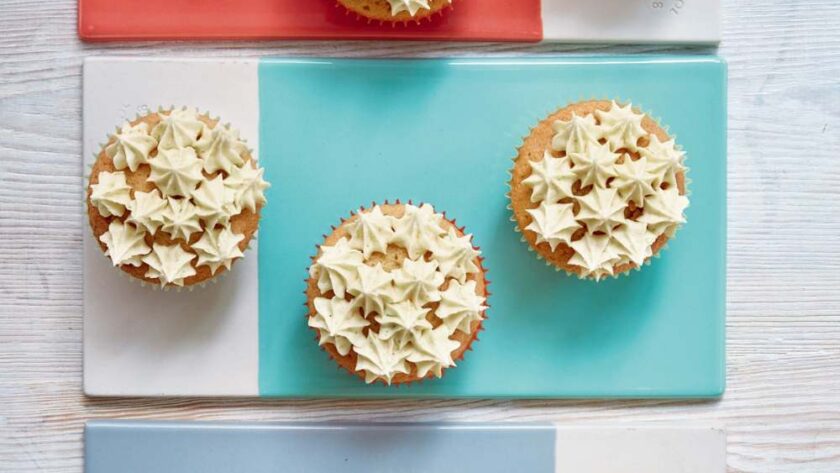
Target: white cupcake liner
{"x": 671, "y": 233}
{"x": 215, "y": 278}
{"x": 474, "y": 335}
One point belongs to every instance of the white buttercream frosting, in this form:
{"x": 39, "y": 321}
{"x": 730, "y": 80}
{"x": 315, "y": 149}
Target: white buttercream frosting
{"x": 176, "y": 171}
{"x": 169, "y": 264}
{"x": 126, "y": 243}
{"x": 393, "y": 305}
{"x": 111, "y": 194}
{"x": 202, "y": 178}
{"x": 617, "y": 169}
{"x": 410, "y": 6}
{"x": 218, "y": 247}
{"x": 178, "y": 128}
{"x": 131, "y": 146}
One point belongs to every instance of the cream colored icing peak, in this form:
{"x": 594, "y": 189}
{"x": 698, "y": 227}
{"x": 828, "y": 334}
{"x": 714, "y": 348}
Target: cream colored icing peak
{"x": 131, "y": 146}
{"x": 177, "y": 128}
{"x": 126, "y": 244}
{"x": 410, "y": 6}
{"x": 111, "y": 194}
{"x": 621, "y": 184}
{"x": 221, "y": 149}
{"x": 180, "y": 219}
{"x": 336, "y": 268}
{"x": 370, "y": 232}
{"x": 551, "y": 179}
{"x": 247, "y": 187}
{"x": 147, "y": 210}
{"x": 212, "y": 202}
{"x": 218, "y": 247}
{"x": 400, "y": 300}
{"x": 176, "y": 171}
{"x": 572, "y": 136}
{"x": 169, "y": 264}
{"x": 553, "y": 223}
{"x": 622, "y": 127}
{"x": 338, "y": 322}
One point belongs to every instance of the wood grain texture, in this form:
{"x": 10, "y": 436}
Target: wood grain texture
{"x": 782, "y": 406}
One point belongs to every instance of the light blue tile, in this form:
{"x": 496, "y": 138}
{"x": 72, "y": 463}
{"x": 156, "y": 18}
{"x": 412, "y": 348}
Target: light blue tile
{"x": 189, "y": 447}
{"x": 337, "y": 134}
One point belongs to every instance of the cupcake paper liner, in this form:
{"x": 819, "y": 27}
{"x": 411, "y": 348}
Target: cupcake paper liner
{"x": 430, "y": 376}
{"x": 215, "y": 278}
{"x": 649, "y": 260}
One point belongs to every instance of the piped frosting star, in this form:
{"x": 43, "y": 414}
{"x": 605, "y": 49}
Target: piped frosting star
{"x": 217, "y": 248}
{"x": 401, "y": 321}
{"x": 147, "y": 210}
{"x": 460, "y": 306}
{"x": 339, "y": 323}
{"x": 373, "y": 289}
{"x": 177, "y": 129}
{"x": 665, "y": 160}
{"x": 176, "y": 171}
{"x": 370, "y": 232}
{"x": 247, "y": 187}
{"x": 221, "y": 149}
{"x": 551, "y": 179}
{"x": 434, "y": 352}
{"x": 337, "y": 267}
{"x": 212, "y": 202}
{"x": 131, "y": 146}
{"x": 594, "y": 165}
{"x": 553, "y": 224}
{"x": 417, "y": 230}
{"x": 380, "y": 359}
{"x": 126, "y": 244}
{"x": 663, "y": 211}
{"x": 595, "y": 255}
{"x": 410, "y": 6}
{"x": 574, "y": 135}
{"x": 418, "y": 281}
{"x": 111, "y": 194}
{"x": 180, "y": 219}
{"x": 622, "y": 127}
{"x": 635, "y": 240}
{"x": 169, "y": 264}
{"x": 601, "y": 210}
{"x": 634, "y": 180}
{"x": 458, "y": 256}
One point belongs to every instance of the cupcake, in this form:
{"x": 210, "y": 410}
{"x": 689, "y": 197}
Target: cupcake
{"x": 174, "y": 198}
{"x": 397, "y": 293}
{"x": 395, "y": 10}
{"x": 598, "y": 188}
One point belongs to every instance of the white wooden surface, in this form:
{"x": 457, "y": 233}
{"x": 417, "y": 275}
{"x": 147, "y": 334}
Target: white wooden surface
{"x": 782, "y": 406}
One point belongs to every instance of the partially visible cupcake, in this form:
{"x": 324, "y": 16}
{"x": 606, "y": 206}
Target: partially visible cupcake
{"x": 397, "y": 293}
{"x": 598, "y": 188}
{"x": 174, "y": 197}
{"x": 395, "y": 10}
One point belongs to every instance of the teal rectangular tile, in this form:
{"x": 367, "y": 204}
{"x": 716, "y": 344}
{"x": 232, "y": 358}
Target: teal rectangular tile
{"x": 337, "y": 134}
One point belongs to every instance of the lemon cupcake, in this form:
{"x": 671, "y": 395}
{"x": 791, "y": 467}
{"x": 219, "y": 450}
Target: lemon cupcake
{"x": 598, "y": 188}
{"x": 174, "y": 198}
{"x": 392, "y": 11}
{"x": 397, "y": 293}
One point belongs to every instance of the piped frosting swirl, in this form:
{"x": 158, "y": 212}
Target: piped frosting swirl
{"x": 394, "y": 289}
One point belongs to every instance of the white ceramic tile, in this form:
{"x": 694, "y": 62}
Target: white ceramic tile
{"x": 144, "y": 342}
{"x": 636, "y": 21}
{"x": 640, "y": 450}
